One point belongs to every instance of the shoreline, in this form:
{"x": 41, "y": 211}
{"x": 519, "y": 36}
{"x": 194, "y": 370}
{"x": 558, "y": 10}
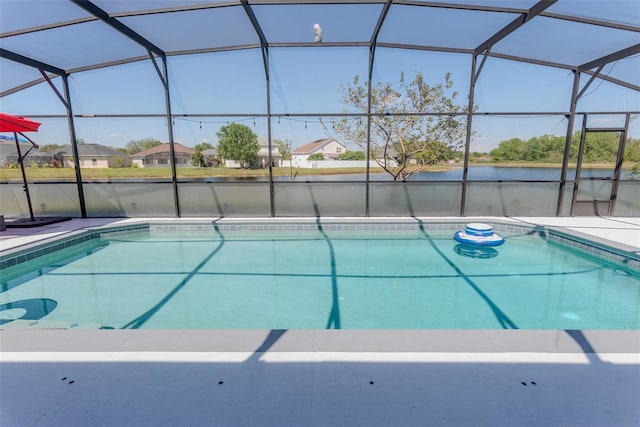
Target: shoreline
{"x": 100, "y": 174}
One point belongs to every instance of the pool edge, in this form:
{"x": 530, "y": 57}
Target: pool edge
{"x": 310, "y": 340}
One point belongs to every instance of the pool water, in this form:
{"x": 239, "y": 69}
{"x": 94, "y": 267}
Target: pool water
{"x": 319, "y": 279}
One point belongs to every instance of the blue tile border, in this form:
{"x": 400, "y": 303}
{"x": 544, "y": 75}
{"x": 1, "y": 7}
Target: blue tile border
{"x": 599, "y": 251}
{"x": 32, "y": 253}
{"x": 48, "y": 248}
{"x": 122, "y": 231}
{"x": 333, "y": 226}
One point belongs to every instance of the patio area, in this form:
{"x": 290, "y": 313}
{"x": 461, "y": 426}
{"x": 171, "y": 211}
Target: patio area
{"x": 322, "y": 377}
{"x": 520, "y": 112}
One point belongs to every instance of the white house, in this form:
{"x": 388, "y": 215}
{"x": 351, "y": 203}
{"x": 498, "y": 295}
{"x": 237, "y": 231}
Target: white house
{"x": 90, "y": 156}
{"x": 329, "y": 147}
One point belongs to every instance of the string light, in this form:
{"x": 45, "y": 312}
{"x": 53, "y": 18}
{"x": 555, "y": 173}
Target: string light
{"x": 253, "y": 120}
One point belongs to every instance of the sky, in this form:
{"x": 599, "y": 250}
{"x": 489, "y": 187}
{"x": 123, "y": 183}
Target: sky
{"x": 310, "y": 80}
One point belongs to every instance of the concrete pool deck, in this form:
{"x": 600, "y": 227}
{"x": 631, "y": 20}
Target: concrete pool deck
{"x": 322, "y": 377}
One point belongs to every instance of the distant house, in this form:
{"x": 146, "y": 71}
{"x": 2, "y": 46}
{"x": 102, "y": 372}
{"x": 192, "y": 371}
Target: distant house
{"x": 8, "y": 153}
{"x": 262, "y": 160}
{"x": 160, "y": 156}
{"x": 93, "y": 156}
{"x": 34, "y": 158}
{"x": 90, "y": 156}
{"x": 263, "y": 154}
{"x": 211, "y": 157}
{"x": 329, "y": 147}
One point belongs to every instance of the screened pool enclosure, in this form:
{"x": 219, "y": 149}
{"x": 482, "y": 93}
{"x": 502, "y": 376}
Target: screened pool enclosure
{"x": 533, "y": 103}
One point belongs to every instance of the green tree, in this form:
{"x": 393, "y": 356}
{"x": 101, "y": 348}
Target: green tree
{"x": 203, "y": 146}
{"x": 632, "y": 150}
{"x": 435, "y": 152}
{"x": 510, "y": 150}
{"x": 197, "y": 158}
{"x": 401, "y": 132}
{"x": 474, "y": 156}
{"x": 284, "y": 148}
{"x": 238, "y": 142}
{"x": 546, "y": 148}
{"x": 134, "y": 147}
{"x": 599, "y": 147}
{"x": 352, "y": 155}
{"x": 118, "y": 162}
{"x": 316, "y": 156}
{"x": 50, "y": 147}
{"x": 632, "y": 154}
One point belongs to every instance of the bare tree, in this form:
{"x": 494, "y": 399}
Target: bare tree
{"x": 407, "y": 123}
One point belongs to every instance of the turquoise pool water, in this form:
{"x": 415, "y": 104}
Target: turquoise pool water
{"x": 317, "y": 279}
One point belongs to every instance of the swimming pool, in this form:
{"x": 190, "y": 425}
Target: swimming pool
{"x": 318, "y": 275}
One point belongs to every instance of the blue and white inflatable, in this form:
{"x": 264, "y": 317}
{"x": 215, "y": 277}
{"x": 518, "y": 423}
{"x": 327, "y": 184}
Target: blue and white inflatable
{"x": 478, "y": 234}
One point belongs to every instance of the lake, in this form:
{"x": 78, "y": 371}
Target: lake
{"x": 476, "y": 173}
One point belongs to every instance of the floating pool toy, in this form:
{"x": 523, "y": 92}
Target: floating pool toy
{"x": 478, "y": 234}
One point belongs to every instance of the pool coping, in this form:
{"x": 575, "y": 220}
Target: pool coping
{"x": 322, "y": 340}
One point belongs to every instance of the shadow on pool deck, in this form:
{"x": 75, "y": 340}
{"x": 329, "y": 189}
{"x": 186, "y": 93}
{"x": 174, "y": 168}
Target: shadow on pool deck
{"x": 319, "y": 389}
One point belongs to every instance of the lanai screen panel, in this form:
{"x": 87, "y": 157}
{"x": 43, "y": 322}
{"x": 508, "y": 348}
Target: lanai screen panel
{"x": 132, "y": 88}
{"x": 229, "y": 82}
{"x": 615, "y": 11}
{"x": 439, "y": 27}
{"x": 21, "y": 15}
{"x": 565, "y": 42}
{"x": 70, "y": 38}
{"x": 195, "y": 29}
{"x": 14, "y": 74}
{"x": 216, "y": 70}
{"x": 627, "y": 69}
{"x": 305, "y": 80}
{"x": 137, "y": 6}
{"x": 339, "y": 23}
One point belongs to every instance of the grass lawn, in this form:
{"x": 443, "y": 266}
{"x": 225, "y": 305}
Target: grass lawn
{"x": 65, "y": 174}
{"x": 91, "y": 174}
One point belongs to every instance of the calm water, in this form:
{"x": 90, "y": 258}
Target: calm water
{"x": 318, "y": 280}
{"x": 455, "y": 174}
